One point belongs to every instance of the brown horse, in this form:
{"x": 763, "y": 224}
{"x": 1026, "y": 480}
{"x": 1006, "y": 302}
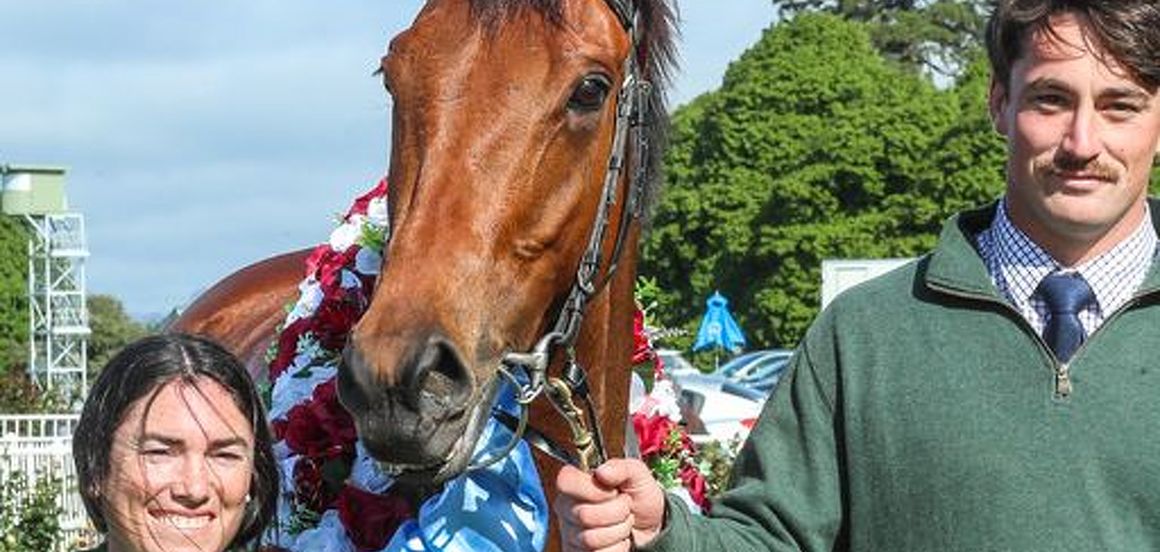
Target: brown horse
{"x": 506, "y": 163}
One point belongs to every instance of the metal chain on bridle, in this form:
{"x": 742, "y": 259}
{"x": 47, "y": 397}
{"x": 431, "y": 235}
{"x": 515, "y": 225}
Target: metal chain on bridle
{"x": 528, "y": 371}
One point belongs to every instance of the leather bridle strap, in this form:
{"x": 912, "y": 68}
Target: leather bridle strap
{"x": 631, "y": 115}
{"x": 536, "y": 439}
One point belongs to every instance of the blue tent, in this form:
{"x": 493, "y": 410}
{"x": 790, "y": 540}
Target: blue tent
{"x": 718, "y": 328}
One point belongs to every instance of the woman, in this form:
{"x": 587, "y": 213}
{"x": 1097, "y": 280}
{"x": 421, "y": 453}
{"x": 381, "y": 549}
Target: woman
{"x": 172, "y": 450}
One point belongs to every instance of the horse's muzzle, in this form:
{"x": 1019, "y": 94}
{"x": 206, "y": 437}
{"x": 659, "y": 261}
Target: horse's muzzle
{"x": 414, "y": 418}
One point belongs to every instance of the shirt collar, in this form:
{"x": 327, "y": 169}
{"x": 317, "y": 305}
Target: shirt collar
{"x": 1113, "y": 275}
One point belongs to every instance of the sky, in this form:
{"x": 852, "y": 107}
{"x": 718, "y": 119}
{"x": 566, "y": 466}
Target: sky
{"x": 206, "y": 135}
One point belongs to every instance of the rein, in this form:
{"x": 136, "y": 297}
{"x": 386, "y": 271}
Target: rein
{"x": 528, "y": 371}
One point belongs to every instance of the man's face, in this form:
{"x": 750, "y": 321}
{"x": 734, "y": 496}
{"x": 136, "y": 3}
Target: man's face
{"x": 1081, "y": 138}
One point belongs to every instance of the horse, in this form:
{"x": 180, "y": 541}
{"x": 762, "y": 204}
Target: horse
{"x": 525, "y": 151}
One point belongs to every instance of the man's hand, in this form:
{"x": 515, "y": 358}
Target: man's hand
{"x": 610, "y": 509}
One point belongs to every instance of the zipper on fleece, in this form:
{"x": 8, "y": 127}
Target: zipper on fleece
{"x": 1063, "y": 385}
{"x": 1061, "y": 370}
{"x": 1062, "y": 373}
{"x": 1063, "y": 379}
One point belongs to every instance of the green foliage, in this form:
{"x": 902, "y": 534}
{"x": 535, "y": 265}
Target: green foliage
{"x": 814, "y": 147}
{"x": 112, "y": 330}
{"x": 715, "y": 460}
{"x": 29, "y": 514}
{"x": 13, "y": 294}
{"x": 19, "y": 395}
{"x": 937, "y": 35}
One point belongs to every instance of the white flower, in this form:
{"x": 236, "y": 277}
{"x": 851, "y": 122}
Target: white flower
{"x": 289, "y": 391}
{"x": 283, "y": 451}
{"x": 309, "y": 296}
{"x": 286, "y": 463}
{"x": 308, "y": 345}
{"x": 349, "y": 280}
{"x": 345, "y": 235}
{"x": 377, "y": 211}
{"x": 367, "y": 261}
{"x": 663, "y": 400}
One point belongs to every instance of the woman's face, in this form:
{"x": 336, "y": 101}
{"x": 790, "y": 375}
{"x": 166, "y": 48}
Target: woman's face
{"x": 179, "y": 471}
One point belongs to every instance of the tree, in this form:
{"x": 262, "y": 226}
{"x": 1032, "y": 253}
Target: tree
{"x": 814, "y": 147}
{"x": 938, "y": 35}
{"x": 112, "y": 330}
{"x": 30, "y": 517}
{"x": 13, "y": 294}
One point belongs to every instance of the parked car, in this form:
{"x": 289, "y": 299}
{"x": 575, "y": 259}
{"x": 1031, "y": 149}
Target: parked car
{"x": 718, "y": 407}
{"x": 758, "y": 370}
{"x": 724, "y": 403}
{"x": 673, "y": 363}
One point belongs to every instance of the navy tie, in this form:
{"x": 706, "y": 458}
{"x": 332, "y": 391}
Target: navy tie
{"x": 1066, "y": 295}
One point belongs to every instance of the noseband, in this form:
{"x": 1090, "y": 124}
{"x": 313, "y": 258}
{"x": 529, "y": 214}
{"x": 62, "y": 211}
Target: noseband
{"x": 528, "y": 371}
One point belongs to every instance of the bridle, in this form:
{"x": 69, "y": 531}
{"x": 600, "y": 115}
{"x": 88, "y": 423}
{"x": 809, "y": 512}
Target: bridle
{"x": 528, "y": 371}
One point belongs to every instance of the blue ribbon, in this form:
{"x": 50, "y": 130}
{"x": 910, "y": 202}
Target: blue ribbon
{"x": 500, "y": 508}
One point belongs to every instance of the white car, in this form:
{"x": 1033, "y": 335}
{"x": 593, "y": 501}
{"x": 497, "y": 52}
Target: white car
{"x": 717, "y": 408}
{"x": 674, "y": 364}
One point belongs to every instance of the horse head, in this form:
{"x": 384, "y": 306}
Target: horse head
{"x": 504, "y": 118}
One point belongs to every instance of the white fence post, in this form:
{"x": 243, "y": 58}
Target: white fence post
{"x": 41, "y": 446}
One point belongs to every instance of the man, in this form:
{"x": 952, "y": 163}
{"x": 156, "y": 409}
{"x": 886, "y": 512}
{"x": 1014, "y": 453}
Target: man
{"x": 1001, "y": 393}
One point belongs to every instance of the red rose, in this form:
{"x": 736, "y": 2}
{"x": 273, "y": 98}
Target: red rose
{"x": 370, "y": 519}
{"x": 331, "y": 264}
{"x": 320, "y": 427}
{"x": 333, "y": 320}
{"x": 310, "y": 491}
{"x": 316, "y": 258}
{"x": 360, "y": 204}
{"x": 287, "y": 346}
{"x": 641, "y": 348}
{"x": 687, "y": 441}
{"x": 692, "y": 480}
{"x": 652, "y": 432}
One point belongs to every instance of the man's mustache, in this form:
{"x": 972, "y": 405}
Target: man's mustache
{"x": 1065, "y": 166}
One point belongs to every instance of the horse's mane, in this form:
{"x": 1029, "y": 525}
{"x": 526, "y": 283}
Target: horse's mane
{"x": 657, "y": 51}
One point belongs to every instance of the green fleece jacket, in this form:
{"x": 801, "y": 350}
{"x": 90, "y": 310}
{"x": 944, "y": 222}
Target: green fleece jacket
{"x": 923, "y": 413}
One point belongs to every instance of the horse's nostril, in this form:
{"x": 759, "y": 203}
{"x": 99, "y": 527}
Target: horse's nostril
{"x": 442, "y": 380}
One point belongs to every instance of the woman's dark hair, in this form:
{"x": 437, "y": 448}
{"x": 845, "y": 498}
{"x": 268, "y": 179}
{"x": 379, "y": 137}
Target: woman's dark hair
{"x": 138, "y": 372}
{"x": 1127, "y": 30}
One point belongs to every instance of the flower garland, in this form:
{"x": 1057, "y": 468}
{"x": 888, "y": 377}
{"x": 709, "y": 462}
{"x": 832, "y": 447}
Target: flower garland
{"x": 334, "y": 497}
{"x": 664, "y": 445}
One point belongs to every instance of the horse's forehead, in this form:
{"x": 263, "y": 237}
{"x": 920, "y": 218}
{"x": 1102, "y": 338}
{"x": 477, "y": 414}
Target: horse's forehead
{"x": 579, "y": 24}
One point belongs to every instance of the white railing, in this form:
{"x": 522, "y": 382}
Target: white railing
{"x": 38, "y": 426}
{"x": 37, "y": 446}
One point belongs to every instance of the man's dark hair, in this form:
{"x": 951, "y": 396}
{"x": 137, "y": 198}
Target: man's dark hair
{"x": 138, "y": 373}
{"x": 1127, "y": 30}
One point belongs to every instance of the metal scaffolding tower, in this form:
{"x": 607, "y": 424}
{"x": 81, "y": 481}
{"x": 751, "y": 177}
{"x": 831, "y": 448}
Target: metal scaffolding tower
{"x": 58, "y": 314}
{"x": 59, "y": 318}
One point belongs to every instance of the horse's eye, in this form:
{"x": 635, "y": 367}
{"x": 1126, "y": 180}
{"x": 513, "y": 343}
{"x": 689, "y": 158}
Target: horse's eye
{"x": 590, "y": 94}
